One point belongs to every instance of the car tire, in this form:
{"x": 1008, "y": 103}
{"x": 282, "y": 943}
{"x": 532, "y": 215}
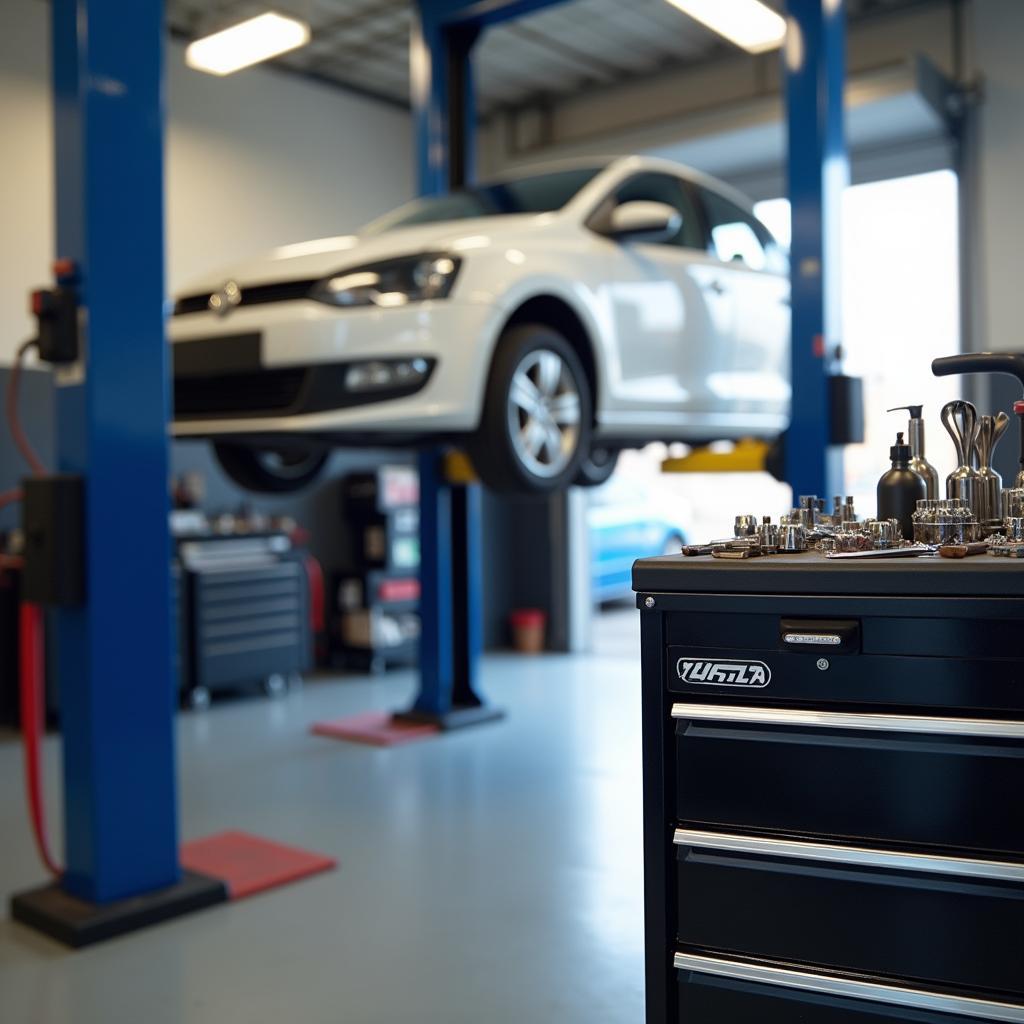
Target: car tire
{"x": 596, "y": 467}
{"x": 537, "y": 414}
{"x": 269, "y": 471}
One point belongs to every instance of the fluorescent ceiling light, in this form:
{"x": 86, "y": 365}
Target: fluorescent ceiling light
{"x": 248, "y": 42}
{"x": 747, "y": 23}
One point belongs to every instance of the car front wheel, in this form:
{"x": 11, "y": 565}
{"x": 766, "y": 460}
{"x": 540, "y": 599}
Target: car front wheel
{"x": 537, "y": 416}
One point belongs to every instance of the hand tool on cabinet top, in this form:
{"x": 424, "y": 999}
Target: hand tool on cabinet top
{"x": 960, "y": 419}
{"x": 963, "y": 550}
{"x": 1010, "y": 363}
{"x": 910, "y": 551}
{"x": 990, "y": 430}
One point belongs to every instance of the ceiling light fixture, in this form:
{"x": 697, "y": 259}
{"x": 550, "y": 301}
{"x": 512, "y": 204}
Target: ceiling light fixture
{"x": 749, "y": 24}
{"x": 247, "y": 43}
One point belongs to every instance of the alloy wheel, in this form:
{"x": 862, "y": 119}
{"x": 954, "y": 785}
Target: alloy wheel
{"x": 544, "y": 413}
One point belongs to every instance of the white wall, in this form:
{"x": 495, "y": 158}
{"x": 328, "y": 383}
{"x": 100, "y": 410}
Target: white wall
{"x": 26, "y": 171}
{"x": 253, "y": 160}
{"x": 998, "y": 35}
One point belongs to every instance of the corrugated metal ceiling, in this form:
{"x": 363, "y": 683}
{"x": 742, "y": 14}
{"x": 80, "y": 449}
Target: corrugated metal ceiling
{"x": 363, "y": 44}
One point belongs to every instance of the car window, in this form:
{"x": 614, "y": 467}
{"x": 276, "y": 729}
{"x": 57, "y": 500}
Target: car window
{"x": 664, "y": 188}
{"x": 737, "y": 236}
{"x": 538, "y": 193}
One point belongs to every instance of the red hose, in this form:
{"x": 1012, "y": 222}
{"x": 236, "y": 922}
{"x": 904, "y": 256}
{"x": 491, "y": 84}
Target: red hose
{"x": 31, "y": 657}
{"x": 315, "y": 581}
{"x": 10, "y": 497}
{"x": 317, "y": 611}
{"x": 32, "y": 664}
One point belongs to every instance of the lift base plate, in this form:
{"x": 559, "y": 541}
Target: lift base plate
{"x": 78, "y": 923}
{"x": 459, "y": 717}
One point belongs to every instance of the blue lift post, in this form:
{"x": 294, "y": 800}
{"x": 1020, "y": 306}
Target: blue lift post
{"x": 117, "y": 689}
{"x": 451, "y": 555}
{"x": 815, "y": 70}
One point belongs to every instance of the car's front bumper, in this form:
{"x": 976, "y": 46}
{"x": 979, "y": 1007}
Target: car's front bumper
{"x": 265, "y": 346}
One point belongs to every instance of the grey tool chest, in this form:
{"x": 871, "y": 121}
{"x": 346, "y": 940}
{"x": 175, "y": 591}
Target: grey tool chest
{"x": 244, "y": 611}
{"x": 833, "y": 790}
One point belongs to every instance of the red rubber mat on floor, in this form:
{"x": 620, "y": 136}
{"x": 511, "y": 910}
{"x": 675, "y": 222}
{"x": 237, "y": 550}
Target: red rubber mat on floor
{"x": 376, "y": 728}
{"x": 249, "y": 864}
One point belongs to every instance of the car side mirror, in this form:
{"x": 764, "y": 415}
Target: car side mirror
{"x": 642, "y": 221}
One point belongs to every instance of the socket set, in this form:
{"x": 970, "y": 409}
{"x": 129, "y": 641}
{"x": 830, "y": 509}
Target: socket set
{"x": 946, "y": 521}
{"x": 945, "y": 526}
{"x": 810, "y": 528}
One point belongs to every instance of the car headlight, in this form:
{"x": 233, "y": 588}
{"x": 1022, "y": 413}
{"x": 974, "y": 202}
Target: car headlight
{"x": 392, "y": 283}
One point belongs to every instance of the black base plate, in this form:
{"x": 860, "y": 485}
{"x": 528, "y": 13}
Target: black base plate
{"x": 460, "y": 717}
{"x": 78, "y": 923}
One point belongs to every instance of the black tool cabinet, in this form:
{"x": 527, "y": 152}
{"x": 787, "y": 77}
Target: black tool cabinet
{"x": 833, "y": 790}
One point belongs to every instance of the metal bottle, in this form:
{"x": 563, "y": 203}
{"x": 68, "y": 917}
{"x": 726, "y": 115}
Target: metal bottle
{"x": 918, "y": 463}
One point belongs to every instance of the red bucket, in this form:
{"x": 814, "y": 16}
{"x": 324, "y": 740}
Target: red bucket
{"x": 528, "y": 628}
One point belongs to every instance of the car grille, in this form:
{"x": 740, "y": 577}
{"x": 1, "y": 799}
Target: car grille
{"x": 255, "y": 295}
{"x": 239, "y": 393}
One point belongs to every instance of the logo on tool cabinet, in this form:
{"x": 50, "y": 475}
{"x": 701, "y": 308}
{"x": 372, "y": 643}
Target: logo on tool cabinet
{"x": 754, "y": 674}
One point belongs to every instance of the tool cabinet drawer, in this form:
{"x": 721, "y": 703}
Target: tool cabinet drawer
{"x": 900, "y": 629}
{"x": 927, "y": 919}
{"x": 879, "y": 779}
{"x": 824, "y": 677}
{"x": 721, "y": 991}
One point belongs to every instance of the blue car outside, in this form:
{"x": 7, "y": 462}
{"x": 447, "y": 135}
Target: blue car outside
{"x": 618, "y": 536}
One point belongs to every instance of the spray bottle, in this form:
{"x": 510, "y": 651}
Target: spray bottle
{"x": 918, "y": 463}
{"x": 900, "y": 489}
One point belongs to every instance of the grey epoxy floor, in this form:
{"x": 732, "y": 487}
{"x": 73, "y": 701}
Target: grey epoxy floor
{"x": 491, "y": 875}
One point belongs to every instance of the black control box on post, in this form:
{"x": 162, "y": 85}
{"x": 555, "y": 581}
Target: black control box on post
{"x": 833, "y": 769}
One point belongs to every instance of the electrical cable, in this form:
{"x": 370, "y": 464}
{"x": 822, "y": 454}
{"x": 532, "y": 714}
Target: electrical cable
{"x": 21, "y": 441}
{"x": 14, "y": 495}
{"x": 18, "y": 435}
{"x": 32, "y": 673}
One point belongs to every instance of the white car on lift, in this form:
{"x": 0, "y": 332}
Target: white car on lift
{"x": 543, "y": 321}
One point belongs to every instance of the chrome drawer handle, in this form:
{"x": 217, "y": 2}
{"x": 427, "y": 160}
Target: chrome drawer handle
{"x": 853, "y": 855}
{"x": 817, "y": 639}
{"x": 877, "y": 993}
{"x": 991, "y": 728}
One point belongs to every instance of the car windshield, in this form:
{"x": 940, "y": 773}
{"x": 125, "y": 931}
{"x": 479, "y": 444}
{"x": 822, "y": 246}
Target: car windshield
{"x": 538, "y": 193}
